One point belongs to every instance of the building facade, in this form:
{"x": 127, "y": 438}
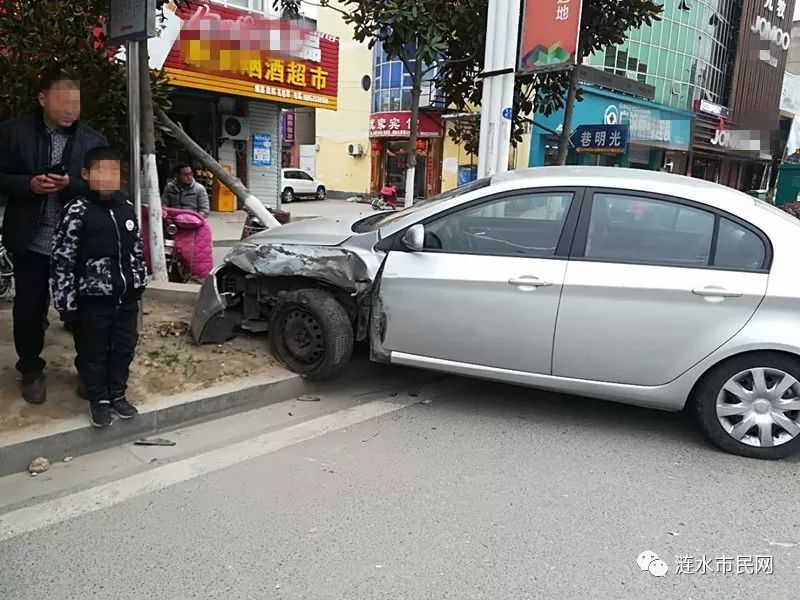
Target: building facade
{"x": 233, "y": 105}
{"x": 712, "y": 66}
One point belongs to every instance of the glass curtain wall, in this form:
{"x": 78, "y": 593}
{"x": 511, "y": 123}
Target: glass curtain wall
{"x": 392, "y": 85}
{"x": 686, "y": 56}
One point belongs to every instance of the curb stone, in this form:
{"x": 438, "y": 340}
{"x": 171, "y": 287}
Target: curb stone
{"x": 78, "y": 437}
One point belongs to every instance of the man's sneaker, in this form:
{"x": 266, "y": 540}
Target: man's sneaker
{"x": 100, "y": 414}
{"x": 124, "y": 409}
{"x": 33, "y": 389}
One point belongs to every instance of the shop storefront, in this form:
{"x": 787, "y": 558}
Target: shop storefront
{"x": 230, "y": 101}
{"x": 723, "y": 153}
{"x": 389, "y": 133}
{"x": 660, "y": 137}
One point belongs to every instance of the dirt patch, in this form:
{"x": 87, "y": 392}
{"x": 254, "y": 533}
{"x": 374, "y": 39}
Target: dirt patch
{"x": 167, "y": 362}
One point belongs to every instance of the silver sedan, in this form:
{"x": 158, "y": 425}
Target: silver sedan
{"x": 632, "y": 286}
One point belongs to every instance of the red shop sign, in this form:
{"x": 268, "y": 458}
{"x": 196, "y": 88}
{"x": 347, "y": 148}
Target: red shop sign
{"x": 398, "y": 125}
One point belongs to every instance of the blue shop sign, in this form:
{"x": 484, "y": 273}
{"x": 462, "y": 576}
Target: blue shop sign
{"x": 648, "y": 123}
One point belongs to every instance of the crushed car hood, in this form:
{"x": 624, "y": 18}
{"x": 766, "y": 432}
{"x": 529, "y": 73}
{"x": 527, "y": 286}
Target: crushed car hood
{"x": 336, "y": 266}
{"x": 321, "y": 231}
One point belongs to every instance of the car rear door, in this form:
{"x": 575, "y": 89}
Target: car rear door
{"x": 655, "y": 284}
{"x": 485, "y": 289}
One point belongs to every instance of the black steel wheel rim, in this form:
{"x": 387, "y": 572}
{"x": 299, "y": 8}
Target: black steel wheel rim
{"x": 302, "y": 337}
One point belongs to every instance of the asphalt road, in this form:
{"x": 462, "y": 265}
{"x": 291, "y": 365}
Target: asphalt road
{"x": 486, "y": 492}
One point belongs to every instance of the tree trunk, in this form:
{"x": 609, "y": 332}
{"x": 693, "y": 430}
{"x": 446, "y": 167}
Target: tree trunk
{"x": 411, "y": 167}
{"x": 563, "y": 142}
{"x": 234, "y": 184}
{"x": 150, "y": 193}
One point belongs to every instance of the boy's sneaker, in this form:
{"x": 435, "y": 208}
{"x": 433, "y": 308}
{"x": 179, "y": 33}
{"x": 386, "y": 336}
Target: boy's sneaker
{"x": 100, "y": 414}
{"x": 124, "y": 409}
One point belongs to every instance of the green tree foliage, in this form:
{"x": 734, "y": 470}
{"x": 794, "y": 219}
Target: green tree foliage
{"x": 36, "y": 33}
{"x": 452, "y": 34}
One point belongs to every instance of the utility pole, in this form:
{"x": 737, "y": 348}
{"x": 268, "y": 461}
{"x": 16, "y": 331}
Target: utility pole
{"x": 150, "y": 191}
{"x": 502, "y": 33}
{"x": 134, "y": 119}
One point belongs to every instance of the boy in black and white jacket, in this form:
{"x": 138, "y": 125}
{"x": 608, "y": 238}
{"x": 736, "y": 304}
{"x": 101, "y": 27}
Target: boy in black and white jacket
{"x": 98, "y": 276}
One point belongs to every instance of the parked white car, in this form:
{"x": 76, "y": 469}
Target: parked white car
{"x": 297, "y": 183}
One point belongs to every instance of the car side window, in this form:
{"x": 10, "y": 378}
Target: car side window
{"x": 304, "y": 176}
{"x": 528, "y": 225}
{"x": 289, "y": 175}
{"x": 629, "y": 228}
{"x": 738, "y": 248}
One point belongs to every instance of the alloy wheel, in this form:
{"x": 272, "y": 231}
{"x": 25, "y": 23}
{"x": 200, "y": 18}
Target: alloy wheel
{"x": 760, "y": 407}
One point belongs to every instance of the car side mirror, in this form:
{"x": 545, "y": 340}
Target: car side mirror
{"x": 414, "y": 238}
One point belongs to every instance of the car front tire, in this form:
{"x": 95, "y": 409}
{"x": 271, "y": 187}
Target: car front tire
{"x": 750, "y": 405}
{"x": 321, "y": 193}
{"x": 288, "y": 195}
{"x": 311, "y": 333}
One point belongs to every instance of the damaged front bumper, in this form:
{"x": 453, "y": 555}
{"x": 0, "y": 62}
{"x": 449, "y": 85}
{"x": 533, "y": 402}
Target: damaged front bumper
{"x": 253, "y": 273}
{"x": 212, "y": 321}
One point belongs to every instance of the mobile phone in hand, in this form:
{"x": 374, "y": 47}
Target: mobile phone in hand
{"x": 58, "y": 169}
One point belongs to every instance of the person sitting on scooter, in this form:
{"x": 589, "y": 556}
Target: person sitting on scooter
{"x": 185, "y": 192}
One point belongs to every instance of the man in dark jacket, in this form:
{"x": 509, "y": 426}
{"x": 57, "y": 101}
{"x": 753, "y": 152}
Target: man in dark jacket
{"x": 40, "y": 165}
{"x": 185, "y": 192}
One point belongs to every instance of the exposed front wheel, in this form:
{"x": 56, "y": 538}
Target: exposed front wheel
{"x": 750, "y": 405}
{"x": 310, "y": 332}
{"x": 288, "y": 195}
{"x": 321, "y": 193}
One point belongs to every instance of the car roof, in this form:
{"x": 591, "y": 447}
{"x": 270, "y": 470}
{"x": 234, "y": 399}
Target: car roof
{"x": 669, "y": 184}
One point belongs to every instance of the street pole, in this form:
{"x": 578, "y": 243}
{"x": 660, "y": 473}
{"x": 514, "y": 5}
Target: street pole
{"x": 502, "y": 32}
{"x": 134, "y": 117}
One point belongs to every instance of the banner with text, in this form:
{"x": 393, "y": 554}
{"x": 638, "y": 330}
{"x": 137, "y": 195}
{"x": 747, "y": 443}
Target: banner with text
{"x": 550, "y": 30}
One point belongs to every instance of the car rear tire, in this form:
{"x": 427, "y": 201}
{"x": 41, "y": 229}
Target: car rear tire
{"x": 321, "y": 193}
{"x": 288, "y": 195}
{"x": 750, "y": 405}
{"x": 311, "y": 333}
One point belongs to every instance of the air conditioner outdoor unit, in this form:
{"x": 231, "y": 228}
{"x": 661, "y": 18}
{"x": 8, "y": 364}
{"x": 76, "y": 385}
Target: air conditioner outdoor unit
{"x": 355, "y": 149}
{"x": 235, "y": 128}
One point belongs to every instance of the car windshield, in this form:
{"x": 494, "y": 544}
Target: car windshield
{"x": 375, "y": 222}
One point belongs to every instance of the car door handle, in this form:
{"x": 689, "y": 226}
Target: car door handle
{"x": 529, "y": 281}
{"x": 716, "y": 292}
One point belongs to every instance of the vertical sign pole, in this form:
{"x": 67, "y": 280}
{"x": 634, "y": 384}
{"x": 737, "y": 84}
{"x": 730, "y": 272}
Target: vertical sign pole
{"x": 134, "y": 118}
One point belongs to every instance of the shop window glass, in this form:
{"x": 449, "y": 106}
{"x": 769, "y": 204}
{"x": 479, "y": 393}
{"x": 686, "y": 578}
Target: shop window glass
{"x": 385, "y": 100}
{"x": 611, "y": 57}
{"x": 386, "y": 74}
{"x": 394, "y": 99}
